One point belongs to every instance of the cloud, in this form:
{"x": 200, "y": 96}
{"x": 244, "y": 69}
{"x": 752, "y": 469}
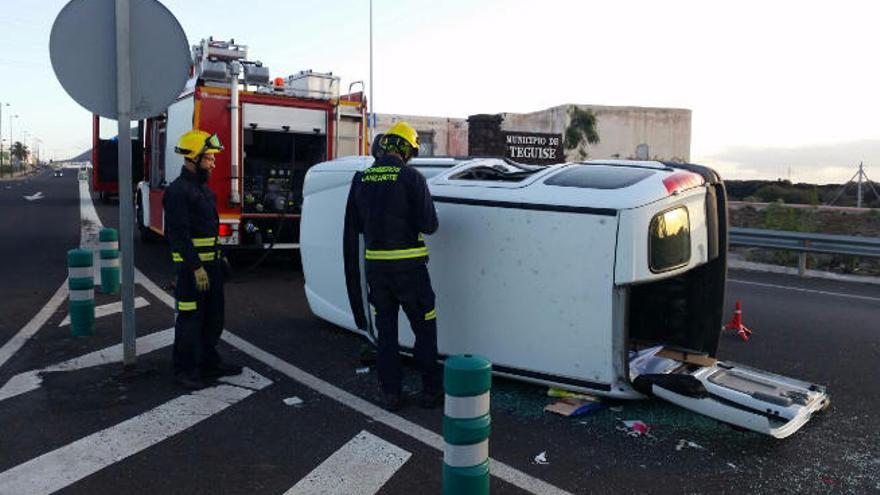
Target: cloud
{"x": 829, "y": 163}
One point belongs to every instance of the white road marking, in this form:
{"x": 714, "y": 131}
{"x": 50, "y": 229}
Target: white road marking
{"x": 800, "y": 289}
{"x": 424, "y": 435}
{"x": 360, "y": 467}
{"x": 34, "y": 197}
{"x": 62, "y": 467}
{"x": 18, "y": 340}
{"x": 109, "y": 309}
{"x": 30, "y": 380}
{"x": 90, "y": 227}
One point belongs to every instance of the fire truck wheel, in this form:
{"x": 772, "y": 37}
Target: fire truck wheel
{"x": 147, "y": 235}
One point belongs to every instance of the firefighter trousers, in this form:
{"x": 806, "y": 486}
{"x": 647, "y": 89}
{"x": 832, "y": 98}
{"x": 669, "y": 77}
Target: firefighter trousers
{"x": 410, "y": 289}
{"x": 199, "y": 321}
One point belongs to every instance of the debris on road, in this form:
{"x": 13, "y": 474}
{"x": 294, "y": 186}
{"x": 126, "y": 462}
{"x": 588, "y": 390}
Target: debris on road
{"x": 687, "y": 443}
{"x": 574, "y": 407}
{"x": 636, "y": 428}
{"x": 542, "y": 458}
{"x": 293, "y": 401}
{"x": 362, "y": 371}
{"x": 565, "y": 394}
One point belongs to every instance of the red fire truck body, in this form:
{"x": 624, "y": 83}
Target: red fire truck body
{"x": 272, "y": 133}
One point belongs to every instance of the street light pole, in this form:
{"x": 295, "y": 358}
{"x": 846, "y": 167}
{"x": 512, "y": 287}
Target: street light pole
{"x": 372, "y": 123}
{"x": 11, "y": 138}
{"x": 1, "y": 137}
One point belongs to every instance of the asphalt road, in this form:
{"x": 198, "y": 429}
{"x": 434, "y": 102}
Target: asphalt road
{"x": 820, "y": 331}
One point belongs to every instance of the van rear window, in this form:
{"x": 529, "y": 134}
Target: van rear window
{"x": 669, "y": 240}
{"x": 598, "y": 177}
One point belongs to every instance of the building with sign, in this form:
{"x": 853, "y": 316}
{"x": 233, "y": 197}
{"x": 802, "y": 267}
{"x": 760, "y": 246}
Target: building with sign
{"x": 658, "y": 133}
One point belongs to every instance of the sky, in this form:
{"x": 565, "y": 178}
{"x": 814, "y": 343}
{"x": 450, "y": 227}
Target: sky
{"x": 778, "y": 89}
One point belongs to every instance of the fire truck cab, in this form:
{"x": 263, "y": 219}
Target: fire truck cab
{"x": 273, "y": 131}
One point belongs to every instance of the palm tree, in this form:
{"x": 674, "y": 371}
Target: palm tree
{"x": 20, "y": 151}
{"x": 581, "y": 131}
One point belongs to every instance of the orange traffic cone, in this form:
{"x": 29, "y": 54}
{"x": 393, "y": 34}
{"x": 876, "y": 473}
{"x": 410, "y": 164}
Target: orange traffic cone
{"x": 737, "y": 324}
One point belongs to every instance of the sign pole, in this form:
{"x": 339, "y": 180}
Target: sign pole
{"x": 126, "y": 221}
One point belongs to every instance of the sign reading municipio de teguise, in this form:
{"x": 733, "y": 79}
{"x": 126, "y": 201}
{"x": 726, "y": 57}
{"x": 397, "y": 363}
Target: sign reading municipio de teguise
{"x": 534, "y": 147}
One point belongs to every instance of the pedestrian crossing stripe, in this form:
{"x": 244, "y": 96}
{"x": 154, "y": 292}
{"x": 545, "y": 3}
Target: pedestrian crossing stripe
{"x": 66, "y": 465}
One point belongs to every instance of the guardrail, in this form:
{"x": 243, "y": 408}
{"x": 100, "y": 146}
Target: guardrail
{"x": 806, "y": 242}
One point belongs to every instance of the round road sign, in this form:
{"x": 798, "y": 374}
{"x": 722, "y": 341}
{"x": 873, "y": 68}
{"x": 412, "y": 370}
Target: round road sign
{"x": 82, "y": 47}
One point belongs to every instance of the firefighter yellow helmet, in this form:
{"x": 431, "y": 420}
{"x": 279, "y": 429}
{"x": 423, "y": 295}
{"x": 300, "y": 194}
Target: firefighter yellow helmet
{"x": 405, "y": 131}
{"x": 192, "y": 144}
{"x": 401, "y": 138}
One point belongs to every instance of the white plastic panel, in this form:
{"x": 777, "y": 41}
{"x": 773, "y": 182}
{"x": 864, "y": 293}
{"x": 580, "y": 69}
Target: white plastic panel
{"x": 180, "y": 120}
{"x": 276, "y": 118}
{"x": 760, "y": 401}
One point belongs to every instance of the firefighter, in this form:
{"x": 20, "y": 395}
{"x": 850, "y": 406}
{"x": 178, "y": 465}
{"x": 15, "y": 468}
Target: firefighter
{"x": 390, "y": 203}
{"x": 191, "y": 223}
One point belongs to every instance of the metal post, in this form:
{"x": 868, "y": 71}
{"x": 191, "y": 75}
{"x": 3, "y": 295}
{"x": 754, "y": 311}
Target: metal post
{"x": 859, "y": 193}
{"x": 1, "y": 138}
{"x": 11, "y": 173}
{"x": 126, "y": 219}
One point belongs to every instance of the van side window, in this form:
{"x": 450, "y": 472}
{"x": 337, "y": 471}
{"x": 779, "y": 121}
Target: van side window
{"x": 669, "y": 240}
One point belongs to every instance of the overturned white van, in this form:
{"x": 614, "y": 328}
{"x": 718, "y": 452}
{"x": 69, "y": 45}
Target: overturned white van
{"x": 561, "y": 274}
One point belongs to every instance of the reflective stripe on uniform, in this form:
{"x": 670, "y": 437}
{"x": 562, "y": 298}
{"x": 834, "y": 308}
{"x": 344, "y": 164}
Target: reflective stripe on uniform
{"x": 204, "y": 241}
{"x": 465, "y": 455}
{"x": 202, "y": 256}
{"x": 186, "y": 305}
{"x": 431, "y": 315}
{"x": 473, "y": 406}
{"x": 82, "y": 295}
{"x": 396, "y": 254}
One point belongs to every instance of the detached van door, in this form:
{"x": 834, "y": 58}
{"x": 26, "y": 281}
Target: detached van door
{"x": 746, "y": 397}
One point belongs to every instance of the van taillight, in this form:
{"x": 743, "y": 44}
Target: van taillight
{"x": 680, "y": 181}
{"x": 225, "y": 230}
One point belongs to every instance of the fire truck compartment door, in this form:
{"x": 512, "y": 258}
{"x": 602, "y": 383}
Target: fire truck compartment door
{"x": 285, "y": 119}
{"x": 742, "y": 396}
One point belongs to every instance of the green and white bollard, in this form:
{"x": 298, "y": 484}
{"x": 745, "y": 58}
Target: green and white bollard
{"x": 466, "y": 425}
{"x": 81, "y": 285}
{"x": 109, "y": 261}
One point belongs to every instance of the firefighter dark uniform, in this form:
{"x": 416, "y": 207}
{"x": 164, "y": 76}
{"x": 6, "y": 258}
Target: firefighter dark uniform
{"x": 392, "y": 206}
{"x": 191, "y": 223}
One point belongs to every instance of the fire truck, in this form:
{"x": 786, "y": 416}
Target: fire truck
{"x": 104, "y": 180}
{"x": 273, "y": 131}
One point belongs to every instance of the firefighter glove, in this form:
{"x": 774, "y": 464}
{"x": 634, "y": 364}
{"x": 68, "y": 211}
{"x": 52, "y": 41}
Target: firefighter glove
{"x": 202, "y": 282}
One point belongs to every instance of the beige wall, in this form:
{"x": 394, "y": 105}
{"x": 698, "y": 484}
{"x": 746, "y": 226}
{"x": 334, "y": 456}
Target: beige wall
{"x": 666, "y": 131}
{"x": 450, "y": 135}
